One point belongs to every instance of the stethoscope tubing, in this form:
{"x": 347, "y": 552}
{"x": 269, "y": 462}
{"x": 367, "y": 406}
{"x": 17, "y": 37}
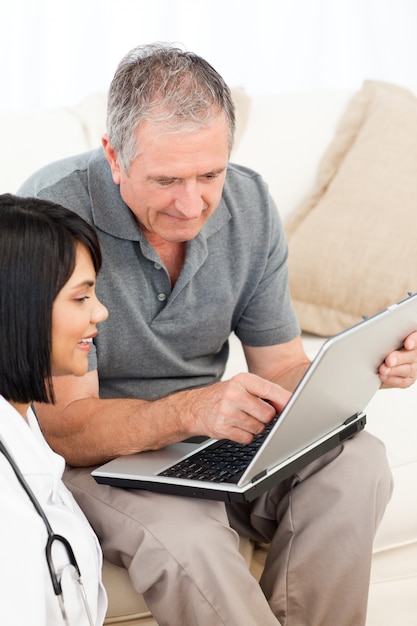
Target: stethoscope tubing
{"x": 52, "y": 537}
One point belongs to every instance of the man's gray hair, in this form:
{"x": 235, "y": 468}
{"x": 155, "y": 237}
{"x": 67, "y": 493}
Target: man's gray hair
{"x": 163, "y": 83}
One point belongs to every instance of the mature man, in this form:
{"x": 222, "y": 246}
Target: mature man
{"x": 193, "y": 250}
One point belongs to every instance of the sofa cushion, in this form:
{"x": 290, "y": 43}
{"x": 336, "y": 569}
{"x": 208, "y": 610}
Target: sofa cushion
{"x": 352, "y": 245}
{"x": 125, "y": 605}
{"x": 34, "y": 139}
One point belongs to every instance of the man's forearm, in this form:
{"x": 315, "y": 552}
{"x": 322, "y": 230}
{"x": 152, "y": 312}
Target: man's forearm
{"x": 90, "y": 431}
{"x": 290, "y": 378}
{"x": 87, "y": 430}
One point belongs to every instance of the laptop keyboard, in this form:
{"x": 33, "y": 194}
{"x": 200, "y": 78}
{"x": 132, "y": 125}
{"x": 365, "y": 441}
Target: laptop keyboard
{"x": 222, "y": 461}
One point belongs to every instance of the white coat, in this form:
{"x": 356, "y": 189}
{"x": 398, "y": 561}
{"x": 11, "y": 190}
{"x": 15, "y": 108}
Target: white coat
{"x": 26, "y": 592}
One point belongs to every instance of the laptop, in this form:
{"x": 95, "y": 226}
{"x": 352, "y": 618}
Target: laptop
{"x": 326, "y": 408}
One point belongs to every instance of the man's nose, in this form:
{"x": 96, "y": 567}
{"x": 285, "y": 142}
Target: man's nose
{"x": 189, "y": 200}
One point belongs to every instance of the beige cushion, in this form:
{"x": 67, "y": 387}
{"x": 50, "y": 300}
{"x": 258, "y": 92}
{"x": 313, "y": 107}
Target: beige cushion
{"x": 352, "y": 244}
{"x": 125, "y": 605}
{"x": 241, "y": 102}
{"x": 31, "y": 140}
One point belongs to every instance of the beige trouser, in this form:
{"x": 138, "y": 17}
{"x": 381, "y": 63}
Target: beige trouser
{"x": 182, "y": 554}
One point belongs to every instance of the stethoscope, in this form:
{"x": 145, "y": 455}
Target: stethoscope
{"x": 52, "y": 538}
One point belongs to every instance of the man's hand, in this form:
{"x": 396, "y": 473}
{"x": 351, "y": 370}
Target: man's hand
{"x": 400, "y": 367}
{"x": 238, "y": 408}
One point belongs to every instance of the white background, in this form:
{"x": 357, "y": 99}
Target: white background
{"x": 55, "y": 52}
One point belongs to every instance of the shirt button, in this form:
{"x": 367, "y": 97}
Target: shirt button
{"x": 157, "y": 266}
{"x": 162, "y": 297}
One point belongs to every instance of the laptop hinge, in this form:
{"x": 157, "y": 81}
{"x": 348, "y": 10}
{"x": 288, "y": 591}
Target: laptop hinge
{"x": 352, "y": 418}
{"x": 259, "y": 476}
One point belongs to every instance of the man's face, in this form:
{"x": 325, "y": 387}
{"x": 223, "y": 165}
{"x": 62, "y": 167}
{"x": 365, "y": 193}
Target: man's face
{"x": 175, "y": 182}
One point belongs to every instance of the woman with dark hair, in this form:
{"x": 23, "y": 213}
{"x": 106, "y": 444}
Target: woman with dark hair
{"x": 51, "y": 559}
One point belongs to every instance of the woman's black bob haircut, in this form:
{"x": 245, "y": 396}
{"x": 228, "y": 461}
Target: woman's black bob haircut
{"x": 38, "y": 242}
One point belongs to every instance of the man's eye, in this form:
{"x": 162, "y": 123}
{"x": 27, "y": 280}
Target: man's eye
{"x": 212, "y": 176}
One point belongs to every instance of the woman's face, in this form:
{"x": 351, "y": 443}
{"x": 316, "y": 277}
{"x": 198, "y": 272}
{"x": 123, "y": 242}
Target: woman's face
{"x": 75, "y": 315}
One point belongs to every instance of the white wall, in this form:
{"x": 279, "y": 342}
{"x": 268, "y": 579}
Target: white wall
{"x": 54, "y": 52}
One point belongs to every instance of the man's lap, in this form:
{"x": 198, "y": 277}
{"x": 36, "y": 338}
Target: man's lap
{"x": 111, "y": 510}
{"x": 179, "y": 549}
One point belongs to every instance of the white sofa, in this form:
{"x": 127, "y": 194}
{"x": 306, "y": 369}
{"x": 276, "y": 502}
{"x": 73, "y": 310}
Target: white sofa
{"x": 284, "y": 137}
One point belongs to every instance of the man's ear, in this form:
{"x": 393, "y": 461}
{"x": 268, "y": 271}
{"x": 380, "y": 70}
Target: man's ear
{"x": 111, "y": 156}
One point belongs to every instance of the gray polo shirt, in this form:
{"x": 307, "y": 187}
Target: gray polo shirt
{"x": 156, "y": 340}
